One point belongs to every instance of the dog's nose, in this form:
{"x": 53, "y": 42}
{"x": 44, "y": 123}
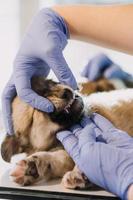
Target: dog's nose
{"x": 67, "y": 94}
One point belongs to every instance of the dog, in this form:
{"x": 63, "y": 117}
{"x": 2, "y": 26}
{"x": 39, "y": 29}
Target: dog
{"x": 35, "y": 132}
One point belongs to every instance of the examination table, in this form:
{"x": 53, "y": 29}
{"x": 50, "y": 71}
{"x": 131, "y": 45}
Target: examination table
{"x": 50, "y": 190}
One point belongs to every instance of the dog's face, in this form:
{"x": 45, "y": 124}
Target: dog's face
{"x": 68, "y": 110}
{"x": 68, "y": 107}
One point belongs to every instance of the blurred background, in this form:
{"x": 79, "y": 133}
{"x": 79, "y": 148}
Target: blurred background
{"x": 15, "y": 16}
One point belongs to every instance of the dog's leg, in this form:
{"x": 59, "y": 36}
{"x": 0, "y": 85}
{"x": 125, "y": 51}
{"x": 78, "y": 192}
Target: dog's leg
{"x": 42, "y": 166}
{"x": 74, "y": 179}
{"x": 9, "y": 147}
{"x": 22, "y": 120}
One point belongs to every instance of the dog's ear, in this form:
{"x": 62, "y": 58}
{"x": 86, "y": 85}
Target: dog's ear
{"x": 9, "y": 147}
{"x": 42, "y": 86}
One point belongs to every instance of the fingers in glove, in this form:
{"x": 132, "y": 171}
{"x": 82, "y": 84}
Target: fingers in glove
{"x": 70, "y": 143}
{"x": 24, "y": 91}
{"x": 110, "y": 134}
{"x": 8, "y": 94}
{"x": 96, "y": 66}
{"x": 58, "y": 64}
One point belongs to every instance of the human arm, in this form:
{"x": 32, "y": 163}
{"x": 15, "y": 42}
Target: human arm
{"x": 102, "y": 152}
{"x": 130, "y": 192}
{"x": 109, "y": 26}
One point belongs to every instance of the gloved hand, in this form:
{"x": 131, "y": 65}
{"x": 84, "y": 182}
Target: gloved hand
{"x": 40, "y": 51}
{"x": 102, "y": 152}
{"x": 102, "y": 66}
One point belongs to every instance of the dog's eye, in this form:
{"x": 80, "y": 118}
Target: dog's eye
{"x": 67, "y": 94}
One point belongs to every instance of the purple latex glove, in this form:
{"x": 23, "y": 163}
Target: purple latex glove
{"x": 102, "y": 152}
{"x": 40, "y": 51}
{"x": 102, "y": 66}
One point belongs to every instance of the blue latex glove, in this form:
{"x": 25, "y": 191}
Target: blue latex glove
{"x": 40, "y": 51}
{"x": 102, "y": 66}
{"x": 102, "y": 152}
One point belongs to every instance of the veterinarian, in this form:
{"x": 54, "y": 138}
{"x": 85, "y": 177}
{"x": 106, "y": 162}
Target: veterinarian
{"x": 108, "y": 163}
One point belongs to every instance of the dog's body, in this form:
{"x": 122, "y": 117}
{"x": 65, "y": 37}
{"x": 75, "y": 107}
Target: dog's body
{"x": 35, "y": 132}
{"x": 117, "y": 106}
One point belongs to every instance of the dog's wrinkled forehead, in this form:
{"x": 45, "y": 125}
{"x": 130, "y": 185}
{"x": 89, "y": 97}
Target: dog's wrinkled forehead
{"x": 42, "y": 86}
{"x": 46, "y": 87}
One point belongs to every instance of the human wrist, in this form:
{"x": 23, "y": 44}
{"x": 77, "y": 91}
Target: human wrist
{"x": 64, "y": 24}
{"x": 129, "y": 193}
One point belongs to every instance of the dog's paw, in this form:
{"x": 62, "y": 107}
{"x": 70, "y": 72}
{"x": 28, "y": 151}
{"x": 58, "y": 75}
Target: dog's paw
{"x": 73, "y": 180}
{"x": 25, "y": 172}
{"x": 33, "y": 169}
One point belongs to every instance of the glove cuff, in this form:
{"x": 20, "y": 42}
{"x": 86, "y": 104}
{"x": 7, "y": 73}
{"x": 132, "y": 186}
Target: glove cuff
{"x": 64, "y": 26}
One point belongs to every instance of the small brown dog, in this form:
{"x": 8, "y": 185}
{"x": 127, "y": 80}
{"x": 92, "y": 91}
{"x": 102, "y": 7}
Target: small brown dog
{"x": 35, "y": 134}
{"x": 35, "y": 131}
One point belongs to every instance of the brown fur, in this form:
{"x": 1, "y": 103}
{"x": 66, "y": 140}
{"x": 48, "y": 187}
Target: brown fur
{"x": 96, "y": 86}
{"x": 35, "y": 130}
{"x": 121, "y": 115}
{"x": 35, "y": 134}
